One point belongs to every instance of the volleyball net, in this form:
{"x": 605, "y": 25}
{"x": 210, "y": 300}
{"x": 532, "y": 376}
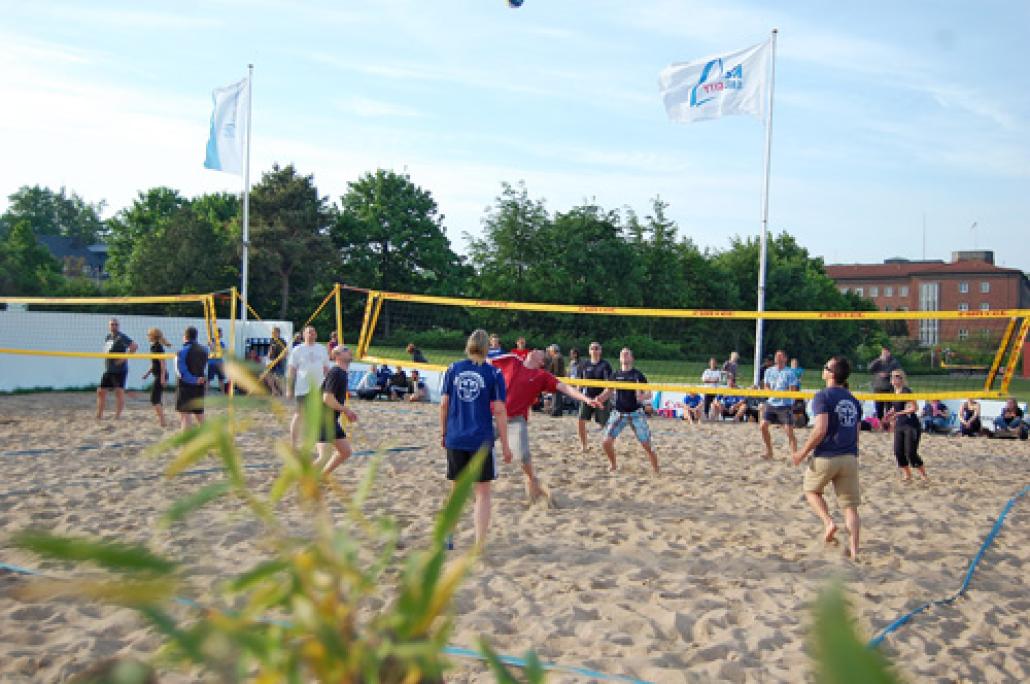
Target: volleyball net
{"x": 69, "y": 342}
{"x": 945, "y": 354}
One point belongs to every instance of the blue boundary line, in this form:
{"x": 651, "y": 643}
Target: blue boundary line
{"x": 455, "y": 651}
{"x": 894, "y": 626}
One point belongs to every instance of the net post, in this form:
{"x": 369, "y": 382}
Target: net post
{"x": 1010, "y": 366}
{"x": 993, "y": 372}
{"x": 232, "y": 342}
{"x": 366, "y": 326}
{"x": 374, "y": 320}
{"x": 339, "y": 313}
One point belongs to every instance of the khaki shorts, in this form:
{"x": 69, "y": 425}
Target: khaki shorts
{"x": 518, "y": 438}
{"x": 842, "y": 471}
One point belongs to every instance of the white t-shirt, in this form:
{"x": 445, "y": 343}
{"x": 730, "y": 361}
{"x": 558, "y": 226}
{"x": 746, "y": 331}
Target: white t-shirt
{"x": 711, "y": 376}
{"x": 309, "y": 361}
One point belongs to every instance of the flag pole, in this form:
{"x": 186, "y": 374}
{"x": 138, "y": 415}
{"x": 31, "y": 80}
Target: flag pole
{"x": 759, "y": 322}
{"x": 246, "y": 213}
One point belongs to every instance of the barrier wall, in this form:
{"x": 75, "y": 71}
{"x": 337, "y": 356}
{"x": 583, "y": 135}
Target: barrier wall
{"x": 69, "y": 331}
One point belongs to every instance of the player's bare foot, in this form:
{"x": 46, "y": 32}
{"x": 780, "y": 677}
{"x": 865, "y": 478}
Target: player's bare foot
{"x": 830, "y": 535}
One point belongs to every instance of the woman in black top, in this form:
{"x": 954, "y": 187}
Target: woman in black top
{"x": 158, "y": 370}
{"x": 906, "y": 428}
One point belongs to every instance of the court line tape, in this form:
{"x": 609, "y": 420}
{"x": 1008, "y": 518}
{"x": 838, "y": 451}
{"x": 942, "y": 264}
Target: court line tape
{"x": 455, "y": 651}
{"x": 894, "y": 626}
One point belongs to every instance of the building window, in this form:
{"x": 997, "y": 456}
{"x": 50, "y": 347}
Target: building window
{"x": 887, "y": 307}
{"x": 843, "y": 290}
{"x": 963, "y": 333}
{"x": 888, "y": 292}
{"x": 902, "y": 308}
{"x": 985, "y": 333}
{"x": 860, "y": 292}
{"x": 963, "y": 306}
{"x": 985, "y": 286}
{"x": 903, "y": 291}
{"x": 984, "y": 306}
{"x": 874, "y": 291}
{"x": 963, "y": 287}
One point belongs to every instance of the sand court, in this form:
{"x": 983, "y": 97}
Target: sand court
{"x": 704, "y": 573}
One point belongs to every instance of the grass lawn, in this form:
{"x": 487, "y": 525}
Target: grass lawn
{"x": 659, "y": 371}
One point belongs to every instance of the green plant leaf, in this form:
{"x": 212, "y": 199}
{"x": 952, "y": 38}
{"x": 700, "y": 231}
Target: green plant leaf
{"x": 841, "y": 658}
{"x": 183, "y": 507}
{"x": 500, "y": 671}
{"x": 111, "y": 555}
{"x": 257, "y": 573}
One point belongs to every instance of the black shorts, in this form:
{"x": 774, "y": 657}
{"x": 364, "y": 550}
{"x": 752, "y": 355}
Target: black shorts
{"x": 114, "y": 379}
{"x": 189, "y": 398}
{"x": 458, "y": 460}
{"x": 779, "y": 415}
{"x": 155, "y": 392}
{"x": 216, "y": 370}
{"x": 325, "y": 430}
{"x": 586, "y": 412}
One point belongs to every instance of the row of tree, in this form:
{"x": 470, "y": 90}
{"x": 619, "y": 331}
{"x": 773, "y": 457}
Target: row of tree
{"x": 387, "y": 233}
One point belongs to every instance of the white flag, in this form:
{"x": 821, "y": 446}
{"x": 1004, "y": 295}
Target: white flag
{"x": 228, "y": 128}
{"x": 733, "y": 83}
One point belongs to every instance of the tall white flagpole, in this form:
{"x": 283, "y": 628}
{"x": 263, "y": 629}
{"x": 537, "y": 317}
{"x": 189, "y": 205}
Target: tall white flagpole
{"x": 759, "y": 322}
{"x": 246, "y": 209}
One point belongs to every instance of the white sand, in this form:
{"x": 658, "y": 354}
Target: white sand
{"x": 705, "y": 573}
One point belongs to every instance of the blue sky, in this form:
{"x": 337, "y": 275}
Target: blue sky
{"x": 884, "y": 112}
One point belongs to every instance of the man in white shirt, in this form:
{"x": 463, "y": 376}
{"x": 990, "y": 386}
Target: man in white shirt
{"x": 307, "y": 368}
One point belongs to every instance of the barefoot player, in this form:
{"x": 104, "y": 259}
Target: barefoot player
{"x": 834, "y": 441}
{"x": 628, "y": 411}
{"x": 334, "y": 396}
{"x": 524, "y": 381}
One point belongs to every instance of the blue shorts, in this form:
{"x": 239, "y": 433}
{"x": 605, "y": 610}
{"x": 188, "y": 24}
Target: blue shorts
{"x": 637, "y": 419}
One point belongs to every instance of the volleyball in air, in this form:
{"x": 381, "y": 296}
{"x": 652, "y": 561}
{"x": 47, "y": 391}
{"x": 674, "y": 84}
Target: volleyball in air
{"x": 514, "y": 3}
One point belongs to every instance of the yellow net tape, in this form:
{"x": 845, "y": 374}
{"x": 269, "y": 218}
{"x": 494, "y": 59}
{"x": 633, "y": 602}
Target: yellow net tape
{"x": 162, "y": 299}
{"x": 84, "y": 355}
{"x": 705, "y": 313}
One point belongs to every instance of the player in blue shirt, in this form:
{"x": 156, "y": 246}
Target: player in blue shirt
{"x": 834, "y": 441}
{"x": 778, "y": 409}
{"x": 472, "y": 397}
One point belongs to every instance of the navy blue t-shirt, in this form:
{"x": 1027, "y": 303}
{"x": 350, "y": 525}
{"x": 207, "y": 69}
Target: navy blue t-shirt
{"x": 471, "y": 388}
{"x": 588, "y": 370}
{"x": 626, "y": 400}
{"x": 845, "y": 417}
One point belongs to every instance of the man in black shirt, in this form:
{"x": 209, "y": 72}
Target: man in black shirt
{"x": 880, "y": 368}
{"x": 334, "y": 396}
{"x": 116, "y": 371}
{"x": 594, "y": 368}
{"x": 628, "y": 410}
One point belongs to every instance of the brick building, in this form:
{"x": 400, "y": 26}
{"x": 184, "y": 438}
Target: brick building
{"x": 969, "y": 282}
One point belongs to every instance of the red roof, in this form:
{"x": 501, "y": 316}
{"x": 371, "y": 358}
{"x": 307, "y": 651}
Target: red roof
{"x": 914, "y": 268}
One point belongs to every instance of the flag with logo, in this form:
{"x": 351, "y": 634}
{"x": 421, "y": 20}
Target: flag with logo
{"x": 720, "y": 85}
{"x": 228, "y": 128}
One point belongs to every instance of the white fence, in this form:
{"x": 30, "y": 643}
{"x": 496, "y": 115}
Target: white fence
{"x": 69, "y": 331}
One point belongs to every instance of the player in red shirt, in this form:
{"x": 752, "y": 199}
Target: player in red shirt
{"x": 520, "y": 350}
{"x": 525, "y": 380}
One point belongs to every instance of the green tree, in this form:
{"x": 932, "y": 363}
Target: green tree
{"x": 291, "y": 250}
{"x": 26, "y": 267}
{"x": 131, "y": 228}
{"x": 50, "y": 212}
{"x": 186, "y": 253}
{"x": 795, "y": 281}
{"x": 512, "y": 246}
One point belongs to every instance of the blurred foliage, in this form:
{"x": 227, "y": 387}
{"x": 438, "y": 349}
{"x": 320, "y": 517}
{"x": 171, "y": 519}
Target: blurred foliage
{"x": 840, "y": 656}
{"x": 317, "y": 607}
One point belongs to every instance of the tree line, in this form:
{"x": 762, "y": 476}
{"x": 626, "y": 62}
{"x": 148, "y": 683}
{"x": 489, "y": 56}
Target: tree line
{"x": 387, "y": 233}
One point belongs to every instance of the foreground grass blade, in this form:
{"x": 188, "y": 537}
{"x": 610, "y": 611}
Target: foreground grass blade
{"x": 841, "y": 657}
{"x": 111, "y": 555}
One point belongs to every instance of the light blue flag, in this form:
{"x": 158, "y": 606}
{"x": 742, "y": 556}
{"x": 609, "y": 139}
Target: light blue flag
{"x": 228, "y": 128}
